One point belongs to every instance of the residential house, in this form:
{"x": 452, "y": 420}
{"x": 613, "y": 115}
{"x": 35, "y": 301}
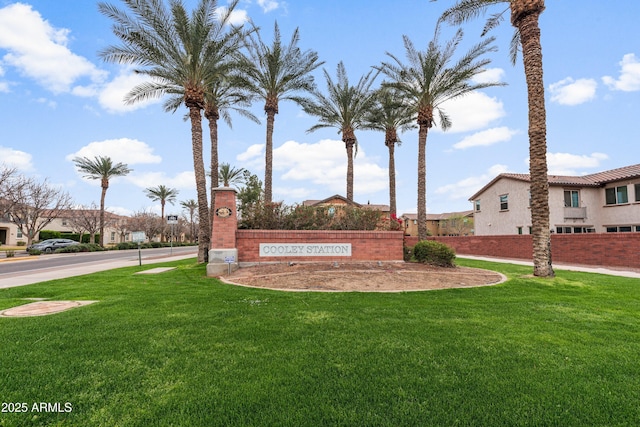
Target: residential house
{"x": 86, "y": 220}
{"x": 10, "y": 234}
{"x": 603, "y": 202}
{"x": 445, "y": 224}
{"x": 337, "y": 200}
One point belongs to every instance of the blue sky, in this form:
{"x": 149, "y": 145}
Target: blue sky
{"x": 58, "y": 100}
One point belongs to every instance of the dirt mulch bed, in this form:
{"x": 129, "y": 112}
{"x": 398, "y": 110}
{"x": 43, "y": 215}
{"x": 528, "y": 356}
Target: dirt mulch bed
{"x": 360, "y": 276}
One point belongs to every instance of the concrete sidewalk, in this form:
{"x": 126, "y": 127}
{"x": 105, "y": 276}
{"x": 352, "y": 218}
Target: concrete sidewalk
{"x": 28, "y": 278}
{"x": 586, "y": 269}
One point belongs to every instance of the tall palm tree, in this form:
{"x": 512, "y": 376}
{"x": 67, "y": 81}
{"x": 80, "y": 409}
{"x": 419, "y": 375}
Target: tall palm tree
{"x": 230, "y": 175}
{"x": 163, "y": 194}
{"x": 223, "y": 96}
{"x": 426, "y": 81}
{"x": 274, "y": 73}
{"x": 104, "y": 169}
{"x": 345, "y": 108}
{"x": 525, "y": 15}
{"x": 390, "y": 114}
{"x": 191, "y": 206}
{"x": 178, "y": 53}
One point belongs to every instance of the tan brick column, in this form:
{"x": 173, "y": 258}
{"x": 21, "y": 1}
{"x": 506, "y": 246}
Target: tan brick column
{"x": 223, "y": 252}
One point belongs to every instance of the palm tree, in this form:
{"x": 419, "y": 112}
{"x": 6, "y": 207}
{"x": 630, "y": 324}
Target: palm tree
{"x": 274, "y": 73}
{"x": 389, "y": 114}
{"x": 163, "y": 194}
{"x": 230, "y": 175}
{"x": 178, "y": 52}
{"x": 191, "y": 206}
{"x": 345, "y": 107}
{"x": 427, "y": 81}
{"x": 222, "y": 96}
{"x": 525, "y": 15}
{"x": 104, "y": 169}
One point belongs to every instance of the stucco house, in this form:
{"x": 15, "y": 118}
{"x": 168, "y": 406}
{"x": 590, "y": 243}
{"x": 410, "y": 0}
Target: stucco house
{"x": 603, "y": 202}
{"x": 444, "y": 224}
{"x": 338, "y": 200}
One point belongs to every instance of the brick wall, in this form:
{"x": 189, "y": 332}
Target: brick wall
{"x": 365, "y": 245}
{"x": 620, "y": 250}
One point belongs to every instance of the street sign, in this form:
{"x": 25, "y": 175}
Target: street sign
{"x": 138, "y": 237}
{"x": 172, "y": 219}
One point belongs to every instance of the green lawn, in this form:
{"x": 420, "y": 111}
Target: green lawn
{"x": 179, "y": 349}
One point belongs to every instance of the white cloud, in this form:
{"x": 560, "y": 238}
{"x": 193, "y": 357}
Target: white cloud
{"x": 300, "y": 193}
{"x": 182, "y": 181}
{"x": 573, "y": 92}
{"x": 268, "y": 5}
{"x": 569, "y": 164}
{"x": 323, "y": 163}
{"x": 15, "y": 159}
{"x": 486, "y": 137}
{"x": 112, "y": 95}
{"x": 629, "y": 79}
{"x": 473, "y": 111}
{"x": 40, "y": 51}
{"x": 237, "y": 17}
{"x": 490, "y": 75}
{"x": 467, "y": 187}
{"x": 125, "y": 150}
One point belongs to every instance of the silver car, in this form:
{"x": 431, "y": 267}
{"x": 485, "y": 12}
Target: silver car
{"x": 50, "y": 245}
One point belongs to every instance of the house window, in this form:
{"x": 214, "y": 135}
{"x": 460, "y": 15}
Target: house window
{"x": 621, "y": 229}
{"x": 571, "y": 199}
{"x": 19, "y": 234}
{"x": 519, "y": 230}
{"x": 64, "y": 222}
{"x": 504, "y": 202}
{"x": 113, "y": 236}
{"x": 616, "y": 195}
{"x": 530, "y": 230}
{"x": 565, "y": 230}
{"x": 477, "y": 205}
{"x": 637, "y": 192}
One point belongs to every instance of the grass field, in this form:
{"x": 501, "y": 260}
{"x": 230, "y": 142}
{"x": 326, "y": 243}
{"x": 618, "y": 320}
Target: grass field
{"x": 178, "y": 349}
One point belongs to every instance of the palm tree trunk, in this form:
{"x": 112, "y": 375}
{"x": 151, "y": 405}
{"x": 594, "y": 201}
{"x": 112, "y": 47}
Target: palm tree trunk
{"x": 422, "y": 181}
{"x": 201, "y": 184}
{"x": 532, "y": 56}
{"x": 349, "y": 145}
{"x": 268, "y": 164}
{"x": 212, "y": 117}
{"x": 392, "y": 179}
{"x": 103, "y": 195}
{"x": 163, "y": 221}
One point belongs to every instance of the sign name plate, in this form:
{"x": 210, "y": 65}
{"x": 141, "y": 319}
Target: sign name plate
{"x": 304, "y": 249}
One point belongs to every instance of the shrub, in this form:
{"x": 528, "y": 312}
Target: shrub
{"x": 278, "y": 216}
{"x": 34, "y": 252}
{"x": 21, "y": 243}
{"x": 10, "y": 253}
{"x": 49, "y": 234}
{"x": 436, "y": 253}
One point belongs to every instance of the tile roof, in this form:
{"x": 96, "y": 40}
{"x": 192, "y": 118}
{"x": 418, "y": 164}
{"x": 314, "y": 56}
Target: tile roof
{"x": 598, "y": 179}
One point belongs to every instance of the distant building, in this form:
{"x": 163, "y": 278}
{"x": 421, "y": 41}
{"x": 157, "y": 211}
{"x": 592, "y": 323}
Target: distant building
{"x": 445, "y": 224}
{"x": 337, "y": 200}
{"x": 603, "y": 202}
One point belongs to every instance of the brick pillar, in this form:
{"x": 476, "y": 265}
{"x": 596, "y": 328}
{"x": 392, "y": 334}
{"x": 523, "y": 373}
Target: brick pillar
{"x": 223, "y": 252}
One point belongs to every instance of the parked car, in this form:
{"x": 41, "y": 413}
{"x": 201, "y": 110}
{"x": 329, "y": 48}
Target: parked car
{"x": 50, "y": 245}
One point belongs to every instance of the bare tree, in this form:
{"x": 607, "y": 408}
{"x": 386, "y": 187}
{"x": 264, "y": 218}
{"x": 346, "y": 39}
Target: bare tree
{"x": 8, "y": 181}
{"x": 146, "y": 221}
{"x": 35, "y": 204}
{"x": 86, "y": 219}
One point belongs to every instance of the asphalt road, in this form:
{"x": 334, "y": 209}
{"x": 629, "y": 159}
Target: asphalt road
{"x": 23, "y": 270}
